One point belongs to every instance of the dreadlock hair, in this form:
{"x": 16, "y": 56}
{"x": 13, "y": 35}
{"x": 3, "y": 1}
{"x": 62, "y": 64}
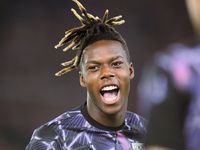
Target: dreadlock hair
{"x": 93, "y": 29}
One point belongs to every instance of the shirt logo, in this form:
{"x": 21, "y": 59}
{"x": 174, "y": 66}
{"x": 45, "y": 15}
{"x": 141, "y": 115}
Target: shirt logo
{"x": 138, "y": 146}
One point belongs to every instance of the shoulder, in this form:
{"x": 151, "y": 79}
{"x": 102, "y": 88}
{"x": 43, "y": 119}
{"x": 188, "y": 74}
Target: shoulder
{"x": 44, "y": 132}
{"x": 135, "y": 120}
{"x": 68, "y": 120}
{"x": 53, "y": 126}
{"x": 50, "y": 134}
{"x": 44, "y": 137}
{"x": 135, "y": 127}
{"x": 65, "y": 118}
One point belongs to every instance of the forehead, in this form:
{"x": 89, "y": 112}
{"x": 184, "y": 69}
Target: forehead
{"x": 103, "y": 49}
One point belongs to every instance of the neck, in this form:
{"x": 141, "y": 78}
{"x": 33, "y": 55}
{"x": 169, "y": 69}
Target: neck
{"x": 110, "y": 120}
{"x": 113, "y": 120}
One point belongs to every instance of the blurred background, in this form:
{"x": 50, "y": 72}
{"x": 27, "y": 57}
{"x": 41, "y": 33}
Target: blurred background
{"x": 30, "y": 94}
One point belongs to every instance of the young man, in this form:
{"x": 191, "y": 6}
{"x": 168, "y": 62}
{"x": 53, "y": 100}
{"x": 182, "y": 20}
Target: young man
{"x": 103, "y": 121}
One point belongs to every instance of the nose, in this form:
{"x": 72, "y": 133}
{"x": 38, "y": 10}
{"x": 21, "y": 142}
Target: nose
{"x": 106, "y": 72}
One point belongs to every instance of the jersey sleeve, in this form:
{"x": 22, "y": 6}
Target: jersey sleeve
{"x": 44, "y": 138}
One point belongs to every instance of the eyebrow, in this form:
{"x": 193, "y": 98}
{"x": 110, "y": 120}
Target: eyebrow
{"x": 97, "y": 62}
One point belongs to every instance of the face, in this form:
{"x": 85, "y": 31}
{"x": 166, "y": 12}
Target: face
{"x": 106, "y": 74}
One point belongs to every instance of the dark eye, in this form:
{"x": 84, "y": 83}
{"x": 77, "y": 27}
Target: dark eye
{"x": 117, "y": 64}
{"x": 93, "y": 68}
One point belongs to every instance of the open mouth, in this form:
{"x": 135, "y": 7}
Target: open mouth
{"x": 109, "y": 93}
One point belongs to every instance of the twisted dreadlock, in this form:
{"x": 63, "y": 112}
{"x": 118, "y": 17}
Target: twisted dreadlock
{"x": 93, "y": 29}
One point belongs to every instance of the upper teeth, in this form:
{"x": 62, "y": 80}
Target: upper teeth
{"x": 108, "y": 88}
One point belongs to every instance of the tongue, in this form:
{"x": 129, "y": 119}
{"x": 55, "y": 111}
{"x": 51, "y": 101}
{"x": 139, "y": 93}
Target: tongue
{"x": 110, "y": 94}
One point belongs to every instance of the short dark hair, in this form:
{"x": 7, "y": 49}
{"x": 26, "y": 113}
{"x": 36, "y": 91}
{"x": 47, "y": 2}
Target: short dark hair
{"x": 93, "y": 29}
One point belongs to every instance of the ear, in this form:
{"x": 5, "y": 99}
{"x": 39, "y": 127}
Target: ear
{"x": 131, "y": 70}
{"x": 82, "y": 81}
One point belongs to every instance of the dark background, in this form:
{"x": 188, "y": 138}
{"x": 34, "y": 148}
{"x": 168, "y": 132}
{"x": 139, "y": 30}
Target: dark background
{"x": 30, "y": 94}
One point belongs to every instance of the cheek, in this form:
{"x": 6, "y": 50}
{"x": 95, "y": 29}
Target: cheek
{"x": 92, "y": 87}
{"x": 125, "y": 79}
{"x": 90, "y": 80}
{"x": 125, "y": 75}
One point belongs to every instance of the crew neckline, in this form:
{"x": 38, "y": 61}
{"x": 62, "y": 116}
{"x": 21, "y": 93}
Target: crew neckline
{"x": 97, "y": 124}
